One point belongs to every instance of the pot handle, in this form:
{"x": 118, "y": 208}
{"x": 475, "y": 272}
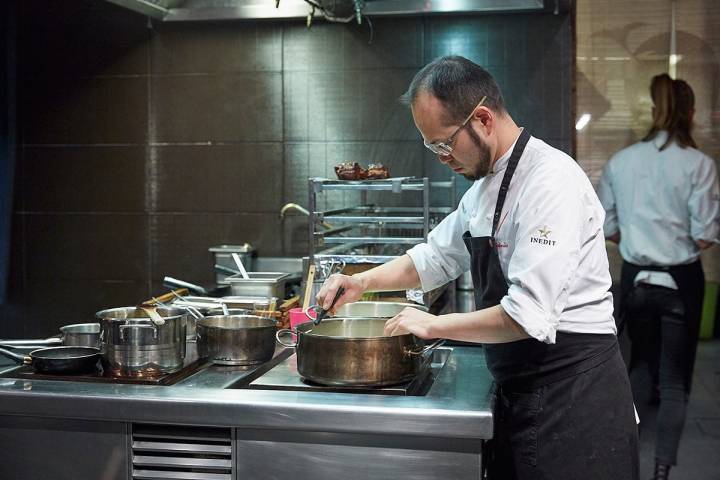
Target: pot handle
{"x": 285, "y": 331}
{"x": 21, "y": 343}
{"x": 122, "y": 329}
{"x": 23, "y": 359}
{"x": 311, "y": 308}
{"x": 426, "y": 349}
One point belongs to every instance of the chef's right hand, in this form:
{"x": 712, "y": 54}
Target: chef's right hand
{"x": 353, "y": 290}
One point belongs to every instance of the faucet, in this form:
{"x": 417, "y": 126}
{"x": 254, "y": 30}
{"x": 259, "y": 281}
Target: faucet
{"x": 303, "y": 210}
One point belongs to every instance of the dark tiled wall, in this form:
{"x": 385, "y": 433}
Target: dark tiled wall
{"x": 142, "y": 145}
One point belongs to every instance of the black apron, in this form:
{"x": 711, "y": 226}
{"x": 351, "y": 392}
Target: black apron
{"x": 562, "y": 410}
{"x": 690, "y": 280}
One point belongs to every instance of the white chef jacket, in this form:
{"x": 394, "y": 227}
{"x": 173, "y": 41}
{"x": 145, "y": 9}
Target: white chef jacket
{"x": 661, "y": 202}
{"x": 550, "y": 244}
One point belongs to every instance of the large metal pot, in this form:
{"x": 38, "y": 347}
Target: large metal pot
{"x": 236, "y": 339}
{"x": 375, "y": 309}
{"x": 135, "y": 346}
{"x": 355, "y": 352}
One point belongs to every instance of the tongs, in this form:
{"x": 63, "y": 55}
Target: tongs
{"x": 322, "y": 312}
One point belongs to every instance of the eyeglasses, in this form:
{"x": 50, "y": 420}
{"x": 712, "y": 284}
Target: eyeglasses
{"x": 445, "y": 148}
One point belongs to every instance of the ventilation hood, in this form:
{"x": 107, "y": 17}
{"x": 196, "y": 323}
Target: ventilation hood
{"x": 200, "y": 10}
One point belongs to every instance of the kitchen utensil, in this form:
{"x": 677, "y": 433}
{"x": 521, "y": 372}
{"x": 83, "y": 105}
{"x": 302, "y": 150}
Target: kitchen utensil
{"x": 134, "y": 345}
{"x": 236, "y": 339}
{"x": 225, "y": 309}
{"x": 355, "y": 351}
{"x": 308, "y": 287}
{"x": 175, "y": 283}
{"x": 67, "y": 360}
{"x": 240, "y": 266}
{"x": 154, "y": 316}
{"x": 322, "y": 312}
{"x": 168, "y": 297}
{"x": 217, "y": 312}
{"x": 76, "y": 335}
{"x": 289, "y": 303}
{"x": 225, "y": 270}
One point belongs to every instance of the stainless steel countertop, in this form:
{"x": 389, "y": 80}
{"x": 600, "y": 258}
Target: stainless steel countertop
{"x": 458, "y": 404}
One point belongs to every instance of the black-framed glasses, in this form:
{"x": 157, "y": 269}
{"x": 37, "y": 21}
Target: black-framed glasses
{"x": 445, "y": 148}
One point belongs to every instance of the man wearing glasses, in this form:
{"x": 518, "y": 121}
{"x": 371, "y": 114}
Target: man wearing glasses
{"x": 530, "y": 231}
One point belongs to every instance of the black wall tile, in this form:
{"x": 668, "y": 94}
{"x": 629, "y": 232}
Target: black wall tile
{"x": 83, "y": 179}
{"x": 180, "y": 242}
{"x": 97, "y": 247}
{"x": 53, "y": 303}
{"x": 88, "y": 110}
{"x": 243, "y": 107}
{"x": 455, "y": 35}
{"x": 217, "y": 47}
{"x": 219, "y": 178}
{"x": 75, "y": 38}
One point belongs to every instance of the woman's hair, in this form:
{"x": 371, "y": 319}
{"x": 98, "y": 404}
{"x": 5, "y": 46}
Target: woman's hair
{"x": 674, "y": 104}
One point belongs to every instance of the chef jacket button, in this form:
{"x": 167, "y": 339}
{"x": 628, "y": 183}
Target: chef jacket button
{"x": 473, "y": 213}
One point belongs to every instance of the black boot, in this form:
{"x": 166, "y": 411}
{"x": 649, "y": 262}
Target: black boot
{"x": 662, "y": 472}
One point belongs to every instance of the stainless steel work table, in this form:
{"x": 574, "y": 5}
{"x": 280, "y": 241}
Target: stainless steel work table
{"x": 457, "y": 406}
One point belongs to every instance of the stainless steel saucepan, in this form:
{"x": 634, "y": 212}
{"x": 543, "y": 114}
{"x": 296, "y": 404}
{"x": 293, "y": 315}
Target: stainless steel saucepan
{"x": 236, "y": 339}
{"x": 355, "y": 352}
{"x": 76, "y": 335}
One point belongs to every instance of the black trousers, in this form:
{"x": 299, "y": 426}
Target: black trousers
{"x": 660, "y": 356}
{"x": 581, "y": 427}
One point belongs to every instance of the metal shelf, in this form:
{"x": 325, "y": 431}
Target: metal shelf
{"x": 361, "y": 234}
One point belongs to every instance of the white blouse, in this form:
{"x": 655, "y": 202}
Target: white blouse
{"x": 660, "y": 202}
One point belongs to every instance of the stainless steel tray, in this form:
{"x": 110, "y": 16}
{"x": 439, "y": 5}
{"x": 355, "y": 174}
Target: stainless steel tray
{"x": 267, "y": 284}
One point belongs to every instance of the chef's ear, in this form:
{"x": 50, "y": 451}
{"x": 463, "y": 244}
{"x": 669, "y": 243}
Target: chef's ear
{"x": 486, "y": 117}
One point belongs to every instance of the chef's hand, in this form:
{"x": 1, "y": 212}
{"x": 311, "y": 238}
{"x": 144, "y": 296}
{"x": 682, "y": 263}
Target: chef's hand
{"x": 411, "y": 320}
{"x": 353, "y": 291}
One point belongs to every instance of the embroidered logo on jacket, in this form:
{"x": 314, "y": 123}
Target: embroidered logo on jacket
{"x": 543, "y": 238}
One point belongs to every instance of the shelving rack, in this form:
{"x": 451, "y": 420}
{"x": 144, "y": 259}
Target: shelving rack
{"x": 371, "y": 234}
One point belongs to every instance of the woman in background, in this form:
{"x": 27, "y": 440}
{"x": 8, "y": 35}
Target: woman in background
{"x": 661, "y": 199}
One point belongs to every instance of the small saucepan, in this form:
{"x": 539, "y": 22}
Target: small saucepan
{"x": 60, "y": 360}
{"x": 76, "y": 335}
{"x": 236, "y": 339}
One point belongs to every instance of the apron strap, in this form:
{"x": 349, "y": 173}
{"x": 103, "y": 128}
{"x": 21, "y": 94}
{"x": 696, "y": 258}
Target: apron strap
{"x": 509, "y": 171}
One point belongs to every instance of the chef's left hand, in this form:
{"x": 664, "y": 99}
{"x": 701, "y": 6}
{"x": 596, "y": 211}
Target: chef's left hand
{"x": 411, "y": 320}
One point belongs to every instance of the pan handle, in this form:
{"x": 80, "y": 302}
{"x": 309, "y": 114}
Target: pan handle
{"x": 122, "y": 329}
{"x": 18, "y": 358}
{"x": 426, "y": 349}
{"x": 285, "y": 331}
{"x": 20, "y": 343}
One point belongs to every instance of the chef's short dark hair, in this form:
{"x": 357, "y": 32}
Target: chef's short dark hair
{"x": 458, "y": 83}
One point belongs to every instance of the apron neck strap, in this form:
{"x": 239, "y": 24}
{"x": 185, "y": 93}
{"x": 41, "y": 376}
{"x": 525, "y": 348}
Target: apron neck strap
{"x": 509, "y": 171}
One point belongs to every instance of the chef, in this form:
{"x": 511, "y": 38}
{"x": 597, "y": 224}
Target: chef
{"x": 530, "y": 231}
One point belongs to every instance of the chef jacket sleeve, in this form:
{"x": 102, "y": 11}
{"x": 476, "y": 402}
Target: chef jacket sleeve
{"x": 704, "y": 202}
{"x": 554, "y": 217}
{"x": 444, "y": 256}
{"x": 607, "y": 199}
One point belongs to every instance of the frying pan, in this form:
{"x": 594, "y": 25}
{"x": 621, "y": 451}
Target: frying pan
{"x": 66, "y": 360}
{"x": 77, "y": 335}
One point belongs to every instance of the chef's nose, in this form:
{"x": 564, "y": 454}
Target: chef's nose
{"x": 444, "y": 159}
